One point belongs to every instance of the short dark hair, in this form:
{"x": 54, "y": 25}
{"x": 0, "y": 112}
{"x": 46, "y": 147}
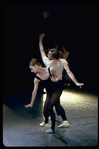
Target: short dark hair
{"x": 55, "y": 53}
{"x": 34, "y": 62}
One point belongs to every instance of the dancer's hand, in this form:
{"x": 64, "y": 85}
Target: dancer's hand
{"x": 80, "y": 84}
{"x": 42, "y": 35}
{"x": 55, "y": 79}
{"x": 29, "y": 105}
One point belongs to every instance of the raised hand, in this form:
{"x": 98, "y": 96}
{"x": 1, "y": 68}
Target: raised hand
{"x": 42, "y": 35}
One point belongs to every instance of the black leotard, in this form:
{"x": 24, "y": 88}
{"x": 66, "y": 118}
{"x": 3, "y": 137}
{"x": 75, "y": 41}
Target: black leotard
{"x": 50, "y": 85}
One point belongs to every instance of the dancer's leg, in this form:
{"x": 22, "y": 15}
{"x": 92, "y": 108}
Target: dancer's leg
{"x": 52, "y": 114}
{"x": 57, "y": 107}
{"x": 53, "y": 100}
{"x": 46, "y": 112}
{"x": 60, "y": 111}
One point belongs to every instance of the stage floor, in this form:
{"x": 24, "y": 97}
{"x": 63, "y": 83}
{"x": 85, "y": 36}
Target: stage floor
{"x": 21, "y": 126}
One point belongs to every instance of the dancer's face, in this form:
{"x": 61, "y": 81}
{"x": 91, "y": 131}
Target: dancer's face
{"x": 51, "y": 54}
{"x": 33, "y": 69}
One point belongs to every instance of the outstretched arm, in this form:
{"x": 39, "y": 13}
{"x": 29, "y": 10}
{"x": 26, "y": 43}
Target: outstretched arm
{"x": 41, "y": 45}
{"x": 34, "y": 93}
{"x": 43, "y": 55}
{"x": 71, "y": 75}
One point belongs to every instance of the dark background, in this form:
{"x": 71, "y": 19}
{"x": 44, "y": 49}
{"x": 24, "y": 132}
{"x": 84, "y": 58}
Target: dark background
{"x": 73, "y": 24}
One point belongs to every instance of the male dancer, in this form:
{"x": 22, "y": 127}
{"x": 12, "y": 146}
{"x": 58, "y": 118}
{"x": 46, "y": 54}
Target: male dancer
{"x": 57, "y": 66}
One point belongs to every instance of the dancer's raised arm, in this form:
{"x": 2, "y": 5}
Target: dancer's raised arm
{"x": 41, "y": 45}
{"x": 43, "y": 55}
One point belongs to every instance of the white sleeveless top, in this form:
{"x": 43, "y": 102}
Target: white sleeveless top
{"x": 56, "y": 65}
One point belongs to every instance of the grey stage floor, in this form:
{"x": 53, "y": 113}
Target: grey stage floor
{"x": 21, "y": 126}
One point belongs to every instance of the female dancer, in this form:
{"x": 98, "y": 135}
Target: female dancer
{"x": 57, "y": 66}
{"x": 41, "y": 73}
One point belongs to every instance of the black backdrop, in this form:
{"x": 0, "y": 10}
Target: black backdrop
{"x": 71, "y": 24}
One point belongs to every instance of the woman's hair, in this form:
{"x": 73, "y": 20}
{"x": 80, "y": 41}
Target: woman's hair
{"x": 34, "y": 62}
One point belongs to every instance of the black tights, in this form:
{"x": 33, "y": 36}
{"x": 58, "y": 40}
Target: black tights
{"x": 60, "y": 111}
{"x": 53, "y": 99}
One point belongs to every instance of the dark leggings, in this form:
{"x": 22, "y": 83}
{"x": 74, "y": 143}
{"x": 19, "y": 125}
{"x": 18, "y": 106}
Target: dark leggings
{"x": 53, "y": 99}
{"x": 59, "y": 110}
